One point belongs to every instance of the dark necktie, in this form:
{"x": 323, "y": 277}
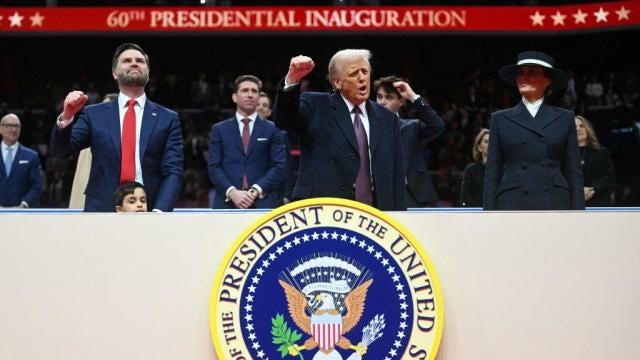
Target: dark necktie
{"x": 246, "y": 135}
{"x": 364, "y": 192}
{"x": 128, "y": 145}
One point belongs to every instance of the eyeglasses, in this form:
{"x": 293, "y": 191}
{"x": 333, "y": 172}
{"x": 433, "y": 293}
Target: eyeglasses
{"x": 11, "y": 126}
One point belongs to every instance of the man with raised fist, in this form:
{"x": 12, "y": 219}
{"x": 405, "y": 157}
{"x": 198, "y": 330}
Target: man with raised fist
{"x": 131, "y": 139}
{"x": 350, "y": 146}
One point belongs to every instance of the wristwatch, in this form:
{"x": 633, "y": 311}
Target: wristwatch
{"x": 254, "y": 193}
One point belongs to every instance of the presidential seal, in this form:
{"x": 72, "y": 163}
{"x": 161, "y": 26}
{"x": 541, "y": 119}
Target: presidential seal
{"x": 326, "y": 279}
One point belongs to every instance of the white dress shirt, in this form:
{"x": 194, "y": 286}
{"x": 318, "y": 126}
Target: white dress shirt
{"x": 252, "y": 121}
{"x": 534, "y": 106}
{"x": 5, "y": 152}
{"x": 139, "y": 109}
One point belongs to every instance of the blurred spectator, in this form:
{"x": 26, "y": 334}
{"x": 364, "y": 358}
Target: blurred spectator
{"x": 594, "y": 91}
{"x": 597, "y": 168}
{"x": 472, "y": 186}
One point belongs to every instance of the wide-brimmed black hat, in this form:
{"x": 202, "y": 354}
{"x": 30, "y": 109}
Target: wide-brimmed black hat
{"x": 534, "y": 58}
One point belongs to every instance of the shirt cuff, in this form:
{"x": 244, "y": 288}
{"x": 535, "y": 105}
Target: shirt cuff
{"x": 288, "y": 86}
{"x": 416, "y": 98}
{"x": 257, "y": 187}
{"x": 24, "y": 204}
{"x": 226, "y": 194}
{"x": 157, "y": 211}
{"x": 62, "y": 123}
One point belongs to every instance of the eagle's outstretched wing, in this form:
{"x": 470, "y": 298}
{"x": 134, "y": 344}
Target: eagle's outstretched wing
{"x": 297, "y": 303}
{"x": 354, "y": 303}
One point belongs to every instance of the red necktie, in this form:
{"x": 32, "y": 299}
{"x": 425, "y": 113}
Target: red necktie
{"x": 128, "y": 159}
{"x": 246, "y": 135}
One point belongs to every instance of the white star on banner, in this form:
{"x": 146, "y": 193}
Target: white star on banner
{"x": 16, "y": 19}
{"x": 558, "y": 18}
{"x": 601, "y": 15}
{"x": 36, "y": 20}
{"x": 580, "y": 17}
{"x": 623, "y": 13}
{"x": 537, "y": 19}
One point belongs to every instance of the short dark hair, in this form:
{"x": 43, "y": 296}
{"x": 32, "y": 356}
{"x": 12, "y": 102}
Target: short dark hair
{"x": 386, "y": 83}
{"x": 124, "y": 47}
{"x": 264, "y": 94}
{"x": 242, "y": 78}
{"x": 124, "y": 190}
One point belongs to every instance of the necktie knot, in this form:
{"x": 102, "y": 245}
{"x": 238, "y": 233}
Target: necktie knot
{"x": 131, "y": 102}
{"x": 246, "y": 121}
{"x": 356, "y": 110}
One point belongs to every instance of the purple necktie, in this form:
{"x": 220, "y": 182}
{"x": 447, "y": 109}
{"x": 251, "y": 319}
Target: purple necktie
{"x": 364, "y": 193}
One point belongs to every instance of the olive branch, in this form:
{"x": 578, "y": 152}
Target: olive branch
{"x": 283, "y": 335}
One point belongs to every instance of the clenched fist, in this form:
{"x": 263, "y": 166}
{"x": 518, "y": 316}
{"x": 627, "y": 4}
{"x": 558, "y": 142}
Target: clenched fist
{"x": 299, "y": 67}
{"x": 74, "y": 101}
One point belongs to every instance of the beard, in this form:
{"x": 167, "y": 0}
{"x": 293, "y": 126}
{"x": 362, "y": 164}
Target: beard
{"x": 135, "y": 79}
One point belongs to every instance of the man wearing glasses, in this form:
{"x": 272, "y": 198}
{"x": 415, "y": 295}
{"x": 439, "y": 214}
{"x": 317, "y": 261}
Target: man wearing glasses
{"x": 20, "y": 181}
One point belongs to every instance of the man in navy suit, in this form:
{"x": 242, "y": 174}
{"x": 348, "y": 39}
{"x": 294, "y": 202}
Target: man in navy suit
{"x": 350, "y": 146}
{"x": 392, "y": 93}
{"x": 131, "y": 139}
{"x": 247, "y": 161}
{"x": 20, "y": 180}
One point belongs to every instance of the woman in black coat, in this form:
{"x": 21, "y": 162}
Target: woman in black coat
{"x": 597, "y": 166}
{"x": 534, "y": 161}
{"x": 472, "y": 185}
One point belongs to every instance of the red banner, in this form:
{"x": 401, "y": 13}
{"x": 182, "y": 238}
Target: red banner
{"x": 424, "y": 19}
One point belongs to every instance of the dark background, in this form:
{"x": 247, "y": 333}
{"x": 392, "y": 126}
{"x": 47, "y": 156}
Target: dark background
{"x": 192, "y": 73}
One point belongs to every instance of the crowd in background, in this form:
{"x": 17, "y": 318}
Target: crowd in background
{"x": 610, "y": 99}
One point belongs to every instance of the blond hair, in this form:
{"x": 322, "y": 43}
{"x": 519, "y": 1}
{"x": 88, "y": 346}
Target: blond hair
{"x": 592, "y": 139}
{"x": 338, "y": 59}
{"x": 477, "y": 155}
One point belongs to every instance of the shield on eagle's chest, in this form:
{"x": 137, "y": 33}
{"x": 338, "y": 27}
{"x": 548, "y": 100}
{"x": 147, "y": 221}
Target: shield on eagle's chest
{"x": 326, "y": 329}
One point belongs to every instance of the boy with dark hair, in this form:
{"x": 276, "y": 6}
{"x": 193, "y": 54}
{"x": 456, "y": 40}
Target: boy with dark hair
{"x": 392, "y": 92}
{"x": 130, "y": 197}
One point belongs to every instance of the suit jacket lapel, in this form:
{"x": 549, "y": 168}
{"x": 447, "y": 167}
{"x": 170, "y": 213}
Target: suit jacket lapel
{"x": 258, "y": 127}
{"x": 112, "y": 118}
{"x": 149, "y": 122}
{"x": 234, "y": 131}
{"x": 546, "y": 115}
{"x": 520, "y": 115}
{"x": 375, "y": 127}
{"x": 341, "y": 116}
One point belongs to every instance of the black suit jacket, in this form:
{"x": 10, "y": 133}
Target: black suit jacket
{"x": 472, "y": 186}
{"x": 599, "y": 174}
{"x": 533, "y": 163}
{"x": 420, "y": 189}
{"x": 329, "y": 159}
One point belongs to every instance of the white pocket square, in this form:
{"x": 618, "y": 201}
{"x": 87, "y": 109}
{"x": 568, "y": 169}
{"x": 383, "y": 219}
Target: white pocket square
{"x": 263, "y": 139}
{"x": 23, "y": 162}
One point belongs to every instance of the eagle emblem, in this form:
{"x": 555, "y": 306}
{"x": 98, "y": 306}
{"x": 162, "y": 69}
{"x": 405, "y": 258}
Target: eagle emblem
{"x": 326, "y": 302}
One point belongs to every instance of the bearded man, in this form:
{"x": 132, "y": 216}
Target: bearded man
{"x": 131, "y": 139}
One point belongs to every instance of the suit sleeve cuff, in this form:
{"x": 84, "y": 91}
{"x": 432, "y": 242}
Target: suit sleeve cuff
{"x": 287, "y": 86}
{"x": 226, "y": 194}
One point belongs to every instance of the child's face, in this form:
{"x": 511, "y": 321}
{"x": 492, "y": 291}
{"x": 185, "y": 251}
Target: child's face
{"x": 136, "y": 202}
